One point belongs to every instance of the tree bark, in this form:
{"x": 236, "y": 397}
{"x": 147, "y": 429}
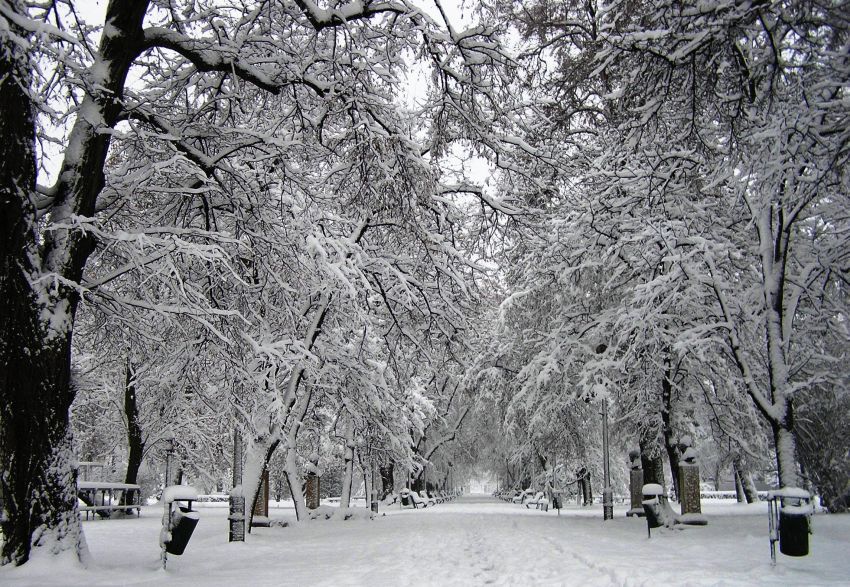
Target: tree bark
{"x": 37, "y": 484}
{"x": 651, "y": 462}
{"x": 296, "y": 486}
{"x": 348, "y": 477}
{"x": 38, "y": 487}
{"x": 387, "y": 480}
{"x": 667, "y": 428}
{"x": 135, "y": 442}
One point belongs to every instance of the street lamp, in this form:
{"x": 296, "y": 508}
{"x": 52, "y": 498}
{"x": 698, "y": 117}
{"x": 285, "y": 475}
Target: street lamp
{"x": 607, "y": 491}
{"x": 168, "y": 437}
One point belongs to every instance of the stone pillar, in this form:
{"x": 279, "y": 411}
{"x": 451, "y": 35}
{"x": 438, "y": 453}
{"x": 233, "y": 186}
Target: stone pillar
{"x": 312, "y": 491}
{"x": 689, "y": 489}
{"x": 635, "y": 485}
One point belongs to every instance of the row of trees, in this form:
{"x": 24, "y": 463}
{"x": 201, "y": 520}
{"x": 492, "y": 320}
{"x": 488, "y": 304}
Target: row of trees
{"x": 247, "y": 229}
{"x": 252, "y": 229}
{"x": 691, "y": 265}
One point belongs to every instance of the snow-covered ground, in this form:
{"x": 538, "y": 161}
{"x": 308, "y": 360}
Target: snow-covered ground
{"x": 476, "y": 540}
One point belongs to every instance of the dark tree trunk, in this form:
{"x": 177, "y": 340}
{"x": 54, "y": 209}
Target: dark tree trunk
{"x": 743, "y": 475}
{"x": 135, "y": 443}
{"x": 651, "y": 461}
{"x": 418, "y": 483}
{"x": 667, "y": 429}
{"x": 37, "y": 486}
{"x": 584, "y": 486}
{"x": 387, "y": 480}
{"x": 739, "y": 487}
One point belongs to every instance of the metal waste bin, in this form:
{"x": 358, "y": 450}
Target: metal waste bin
{"x": 793, "y": 533}
{"x": 183, "y": 522}
{"x": 651, "y": 502}
{"x": 790, "y": 510}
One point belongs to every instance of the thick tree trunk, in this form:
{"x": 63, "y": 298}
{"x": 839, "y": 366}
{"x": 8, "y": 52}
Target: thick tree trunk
{"x": 37, "y": 484}
{"x": 743, "y": 476}
{"x": 367, "y": 484}
{"x": 667, "y": 429}
{"x": 418, "y": 483}
{"x": 739, "y": 487}
{"x": 387, "y": 480}
{"x": 651, "y": 462}
{"x": 296, "y": 486}
{"x": 348, "y": 476}
{"x": 135, "y": 443}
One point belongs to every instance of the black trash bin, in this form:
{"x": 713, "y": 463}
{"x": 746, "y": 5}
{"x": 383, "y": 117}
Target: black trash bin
{"x": 652, "y": 493}
{"x": 556, "y": 502}
{"x": 183, "y": 522}
{"x": 793, "y": 531}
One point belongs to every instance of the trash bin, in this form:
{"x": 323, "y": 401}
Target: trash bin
{"x": 651, "y": 502}
{"x": 794, "y": 530}
{"x": 183, "y": 522}
{"x": 556, "y": 502}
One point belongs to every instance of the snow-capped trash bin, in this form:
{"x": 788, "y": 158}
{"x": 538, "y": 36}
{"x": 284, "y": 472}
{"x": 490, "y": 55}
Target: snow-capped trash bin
{"x": 178, "y": 522}
{"x": 790, "y": 511}
{"x": 183, "y": 522}
{"x": 652, "y": 493}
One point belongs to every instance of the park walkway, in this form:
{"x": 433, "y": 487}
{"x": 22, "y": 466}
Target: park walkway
{"x": 475, "y": 540}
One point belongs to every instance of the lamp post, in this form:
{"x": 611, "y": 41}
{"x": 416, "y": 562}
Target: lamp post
{"x": 607, "y": 491}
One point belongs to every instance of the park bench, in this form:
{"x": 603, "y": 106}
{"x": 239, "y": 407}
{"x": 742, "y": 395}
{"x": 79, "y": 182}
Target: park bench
{"x": 539, "y": 501}
{"x": 424, "y": 497}
{"x": 435, "y": 496}
{"x": 659, "y": 512}
{"x": 521, "y": 497}
{"x": 104, "y": 498}
{"x": 412, "y": 499}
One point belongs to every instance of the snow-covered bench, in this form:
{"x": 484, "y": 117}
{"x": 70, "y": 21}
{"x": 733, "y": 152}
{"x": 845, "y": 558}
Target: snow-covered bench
{"x": 424, "y": 497}
{"x": 539, "y": 501}
{"x": 103, "y": 498}
{"x": 659, "y": 512}
{"x": 412, "y": 499}
{"x": 521, "y": 497}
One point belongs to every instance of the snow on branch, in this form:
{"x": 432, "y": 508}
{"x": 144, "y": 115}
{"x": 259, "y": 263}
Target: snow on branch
{"x": 207, "y": 55}
{"x": 322, "y": 18}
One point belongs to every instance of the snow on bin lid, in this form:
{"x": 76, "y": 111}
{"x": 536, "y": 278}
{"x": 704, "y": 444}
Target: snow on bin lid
{"x": 175, "y": 492}
{"x": 652, "y": 489}
{"x": 789, "y": 492}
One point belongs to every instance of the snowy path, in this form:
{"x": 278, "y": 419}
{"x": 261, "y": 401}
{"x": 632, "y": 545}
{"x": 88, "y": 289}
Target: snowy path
{"x": 472, "y": 541}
